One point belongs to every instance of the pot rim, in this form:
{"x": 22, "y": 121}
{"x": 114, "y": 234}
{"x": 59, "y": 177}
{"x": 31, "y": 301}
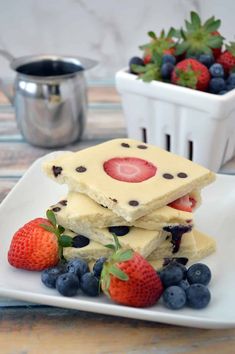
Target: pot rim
{"x": 81, "y": 62}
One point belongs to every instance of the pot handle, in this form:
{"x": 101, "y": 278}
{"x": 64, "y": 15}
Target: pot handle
{"x": 3, "y": 86}
{"x": 87, "y": 63}
{"x": 4, "y": 53}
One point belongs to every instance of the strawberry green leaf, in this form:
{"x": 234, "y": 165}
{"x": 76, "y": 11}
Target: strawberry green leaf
{"x": 157, "y": 59}
{"x": 195, "y": 19}
{"x": 182, "y": 33}
{"x": 152, "y": 35}
{"x": 117, "y": 244}
{"x": 118, "y": 273}
{"x": 61, "y": 229}
{"x": 212, "y": 27}
{"x": 112, "y": 247}
{"x": 171, "y": 33}
{"x": 209, "y": 22}
{"x": 148, "y": 76}
{"x": 48, "y": 228}
{"x": 215, "y": 41}
{"x": 162, "y": 34}
{"x": 138, "y": 69}
{"x": 189, "y": 26}
{"x": 51, "y": 217}
{"x": 181, "y": 48}
{"x": 105, "y": 281}
{"x": 65, "y": 241}
{"x": 122, "y": 256}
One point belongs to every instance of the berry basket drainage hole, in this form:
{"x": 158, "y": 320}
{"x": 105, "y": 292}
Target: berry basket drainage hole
{"x": 190, "y": 150}
{"x": 144, "y": 135}
{"x": 168, "y": 142}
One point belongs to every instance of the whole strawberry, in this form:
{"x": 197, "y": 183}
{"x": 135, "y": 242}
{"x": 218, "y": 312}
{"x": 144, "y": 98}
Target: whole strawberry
{"x": 128, "y": 279}
{"x": 227, "y": 58}
{"x": 164, "y": 44}
{"x": 38, "y": 244}
{"x": 191, "y": 73}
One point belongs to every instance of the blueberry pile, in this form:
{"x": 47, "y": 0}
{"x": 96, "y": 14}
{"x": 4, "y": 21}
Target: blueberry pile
{"x": 220, "y": 82}
{"x": 74, "y": 276}
{"x": 185, "y": 287}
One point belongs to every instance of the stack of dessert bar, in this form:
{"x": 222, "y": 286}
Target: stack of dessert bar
{"x": 141, "y": 193}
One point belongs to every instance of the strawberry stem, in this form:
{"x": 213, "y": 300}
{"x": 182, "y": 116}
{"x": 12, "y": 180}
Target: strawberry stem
{"x": 117, "y": 244}
{"x": 58, "y": 230}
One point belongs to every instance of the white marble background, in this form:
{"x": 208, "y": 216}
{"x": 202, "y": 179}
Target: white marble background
{"x": 107, "y": 30}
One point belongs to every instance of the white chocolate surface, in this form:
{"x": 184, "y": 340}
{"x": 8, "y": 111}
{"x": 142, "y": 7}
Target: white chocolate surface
{"x": 150, "y": 194}
{"x": 140, "y": 240}
{"x": 81, "y": 209}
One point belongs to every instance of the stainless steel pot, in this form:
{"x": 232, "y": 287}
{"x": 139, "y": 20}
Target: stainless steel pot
{"x": 49, "y": 98}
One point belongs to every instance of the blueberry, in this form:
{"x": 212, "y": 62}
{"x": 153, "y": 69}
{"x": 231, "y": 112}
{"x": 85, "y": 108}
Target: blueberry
{"x": 223, "y": 92}
{"x": 216, "y": 85}
{"x": 175, "y": 263}
{"x": 198, "y": 296}
{"x": 119, "y": 230}
{"x": 80, "y": 241}
{"x": 206, "y": 59}
{"x": 229, "y": 87}
{"x": 168, "y": 58}
{"x": 183, "y": 284}
{"x": 67, "y": 284}
{"x": 50, "y": 275}
{"x": 174, "y": 297}
{"x": 172, "y": 274}
{"x": 90, "y": 284}
{"x": 230, "y": 82}
{"x": 135, "y": 61}
{"x": 216, "y": 70}
{"x": 78, "y": 267}
{"x": 98, "y": 266}
{"x": 166, "y": 70}
{"x": 199, "y": 273}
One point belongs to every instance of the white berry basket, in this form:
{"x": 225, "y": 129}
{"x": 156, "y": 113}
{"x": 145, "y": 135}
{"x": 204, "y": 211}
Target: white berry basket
{"x": 197, "y": 125}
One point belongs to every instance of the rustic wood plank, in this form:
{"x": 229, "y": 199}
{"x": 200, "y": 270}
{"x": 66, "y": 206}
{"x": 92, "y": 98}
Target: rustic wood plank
{"x": 106, "y": 94}
{"x": 101, "y": 123}
{"x": 67, "y": 331}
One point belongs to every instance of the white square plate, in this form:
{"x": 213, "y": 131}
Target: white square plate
{"x": 34, "y": 193}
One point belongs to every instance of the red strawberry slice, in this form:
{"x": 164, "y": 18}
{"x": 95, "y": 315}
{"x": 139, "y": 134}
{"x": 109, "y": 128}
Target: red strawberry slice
{"x": 129, "y": 169}
{"x": 185, "y": 203}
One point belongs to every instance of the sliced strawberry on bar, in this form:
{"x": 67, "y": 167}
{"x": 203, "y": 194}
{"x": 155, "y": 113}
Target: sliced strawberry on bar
{"x": 185, "y": 203}
{"x": 129, "y": 169}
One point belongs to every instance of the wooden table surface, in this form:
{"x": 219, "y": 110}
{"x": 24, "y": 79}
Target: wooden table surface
{"x": 33, "y": 329}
